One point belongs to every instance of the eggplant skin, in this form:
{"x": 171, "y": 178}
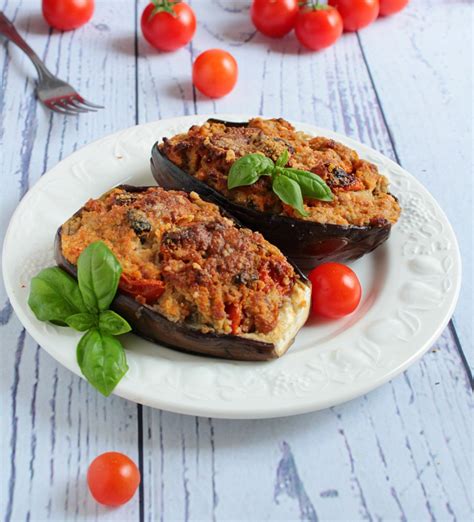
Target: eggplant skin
{"x": 155, "y": 327}
{"x": 306, "y": 243}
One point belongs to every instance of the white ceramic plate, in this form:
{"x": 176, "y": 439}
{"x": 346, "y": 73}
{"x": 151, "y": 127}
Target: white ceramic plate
{"x": 410, "y": 287}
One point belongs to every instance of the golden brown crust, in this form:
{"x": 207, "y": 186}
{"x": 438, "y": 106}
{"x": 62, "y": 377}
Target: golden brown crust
{"x": 212, "y": 274}
{"x": 360, "y": 192}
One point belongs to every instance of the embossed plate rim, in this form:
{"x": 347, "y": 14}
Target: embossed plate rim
{"x": 300, "y": 382}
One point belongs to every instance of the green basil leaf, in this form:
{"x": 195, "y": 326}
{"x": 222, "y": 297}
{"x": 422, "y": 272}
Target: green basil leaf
{"x": 98, "y": 273}
{"x": 54, "y": 296}
{"x": 248, "y": 169}
{"x": 289, "y": 192}
{"x": 102, "y": 360}
{"x": 58, "y": 323}
{"x": 111, "y": 323}
{"x": 312, "y": 186}
{"x": 82, "y": 322}
{"x": 283, "y": 159}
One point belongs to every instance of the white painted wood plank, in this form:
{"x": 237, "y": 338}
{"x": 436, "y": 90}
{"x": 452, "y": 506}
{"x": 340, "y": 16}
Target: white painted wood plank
{"x": 402, "y": 449}
{"x": 393, "y": 454}
{"x": 400, "y": 452}
{"x": 52, "y": 423}
{"x": 426, "y": 88}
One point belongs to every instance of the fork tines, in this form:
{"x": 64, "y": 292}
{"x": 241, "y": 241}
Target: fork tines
{"x": 72, "y": 104}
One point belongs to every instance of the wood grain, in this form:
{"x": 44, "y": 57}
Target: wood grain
{"x": 401, "y": 452}
{"x": 425, "y": 88}
{"x": 404, "y": 452}
{"x": 52, "y": 423}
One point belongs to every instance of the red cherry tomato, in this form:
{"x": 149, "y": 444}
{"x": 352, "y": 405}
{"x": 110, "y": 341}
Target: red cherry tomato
{"x": 317, "y": 28}
{"x": 66, "y": 15}
{"x": 113, "y": 478}
{"x": 215, "y": 73}
{"x": 336, "y": 290}
{"x": 166, "y": 26}
{"x": 389, "y": 7}
{"x": 274, "y": 18}
{"x": 356, "y": 14}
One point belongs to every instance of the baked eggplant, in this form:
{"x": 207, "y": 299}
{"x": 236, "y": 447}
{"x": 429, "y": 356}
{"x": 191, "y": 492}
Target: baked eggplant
{"x": 356, "y": 222}
{"x": 193, "y": 279}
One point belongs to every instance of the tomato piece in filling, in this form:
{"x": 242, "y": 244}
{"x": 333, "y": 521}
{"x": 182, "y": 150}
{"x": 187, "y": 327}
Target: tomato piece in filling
{"x": 143, "y": 290}
{"x": 234, "y": 312}
{"x": 274, "y": 273}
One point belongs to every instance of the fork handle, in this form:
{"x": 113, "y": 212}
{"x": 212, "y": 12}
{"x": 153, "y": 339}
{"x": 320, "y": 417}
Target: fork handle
{"x": 9, "y": 31}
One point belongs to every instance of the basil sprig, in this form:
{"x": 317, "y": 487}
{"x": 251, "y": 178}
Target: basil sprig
{"x": 57, "y": 297}
{"x": 289, "y": 184}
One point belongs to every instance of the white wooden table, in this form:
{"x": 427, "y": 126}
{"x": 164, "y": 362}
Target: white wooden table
{"x": 404, "y": 452}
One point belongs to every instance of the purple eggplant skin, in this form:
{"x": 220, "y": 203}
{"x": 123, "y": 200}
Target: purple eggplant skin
{"x": 306, "y": 243}
{"x": 155, "y": 327}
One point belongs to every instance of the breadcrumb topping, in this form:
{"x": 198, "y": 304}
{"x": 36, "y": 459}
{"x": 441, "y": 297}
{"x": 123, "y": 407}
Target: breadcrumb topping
{"x": 361, "y": 196}
{"x": 183, "y": 258}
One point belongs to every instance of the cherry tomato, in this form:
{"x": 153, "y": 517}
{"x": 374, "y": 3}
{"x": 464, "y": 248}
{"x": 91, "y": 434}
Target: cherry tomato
{"x": 274, "y": 18}
{"x": 66, "y": 15}
{"x": 356, "y": 14}
{"x": 318, "y": 27}
{"x": 336, "y": 290}
{"x": 389, "y": 7}
{"x": 166, "y": 26}
{"x": 113, "y": 478}
{"x": 215, "y": 73}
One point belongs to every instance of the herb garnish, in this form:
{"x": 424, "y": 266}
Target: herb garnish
{"x": 289, "y": 184}
{"x": 57, "y": 297}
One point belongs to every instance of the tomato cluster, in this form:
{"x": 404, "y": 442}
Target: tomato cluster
{"x": 169, "y": 25}
{"x": 318, "y": 25}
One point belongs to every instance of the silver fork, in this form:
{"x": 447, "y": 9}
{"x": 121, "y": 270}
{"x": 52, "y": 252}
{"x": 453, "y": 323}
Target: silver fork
{"x": 54, "y": 93}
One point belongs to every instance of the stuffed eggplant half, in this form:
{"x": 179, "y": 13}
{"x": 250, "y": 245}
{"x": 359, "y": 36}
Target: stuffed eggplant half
{"x": 192, "y": 278}
{"x": 354, "y": 220}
